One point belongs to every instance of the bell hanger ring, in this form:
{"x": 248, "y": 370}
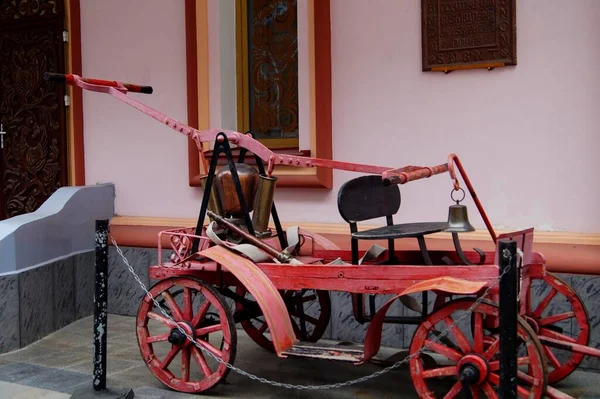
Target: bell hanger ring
{"x": 455, "y": 190}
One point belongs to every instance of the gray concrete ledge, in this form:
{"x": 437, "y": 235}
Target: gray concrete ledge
{"x": 62, "y": 226}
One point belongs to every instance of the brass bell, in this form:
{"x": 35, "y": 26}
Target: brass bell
{"x": 458, "y": 219}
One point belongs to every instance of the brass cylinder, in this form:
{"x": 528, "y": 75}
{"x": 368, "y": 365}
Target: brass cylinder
{"x": 214, "y": 205}
{"x": 263, "y": 202}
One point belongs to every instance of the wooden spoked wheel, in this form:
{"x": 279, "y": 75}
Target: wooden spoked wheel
{"x": 202, "y": 313}
{"x": 310, "y": 312}
{"x": 560, "y": 315}
{"x": 472, "y": 350}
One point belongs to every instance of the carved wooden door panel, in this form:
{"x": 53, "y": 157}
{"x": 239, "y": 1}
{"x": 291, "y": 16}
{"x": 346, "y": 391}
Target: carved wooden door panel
{"x": 32, "y": 112}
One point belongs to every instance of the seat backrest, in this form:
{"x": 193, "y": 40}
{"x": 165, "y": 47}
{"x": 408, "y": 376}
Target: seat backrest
{"x": 366, "y": 197}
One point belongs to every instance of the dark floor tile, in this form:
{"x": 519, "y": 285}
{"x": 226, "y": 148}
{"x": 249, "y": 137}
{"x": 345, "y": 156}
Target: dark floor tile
{"x": 146, "y": 392}
{"x": 41, "y": 377}
{"x": 29, "y": 353}
{"x": 17, "y": 372}
{"x": 57, "y": 380}
{"x": 64, "y": 359}
{"x": 113, "y": 366}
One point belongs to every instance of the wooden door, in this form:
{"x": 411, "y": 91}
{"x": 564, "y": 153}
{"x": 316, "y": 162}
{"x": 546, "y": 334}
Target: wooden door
{"x": 33, "y": 160}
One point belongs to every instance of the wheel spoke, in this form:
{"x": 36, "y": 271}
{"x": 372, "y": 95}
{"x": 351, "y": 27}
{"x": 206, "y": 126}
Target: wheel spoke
{"x": 552, "y": 357}
{"x": 169, "y": 358}
{"x": 158, "y": 338}
{"x": 172, "y": 305}
{"x": 443, "y": 350}
{"x": 440, "y": 372}
{"x": 461, "y": 340}
{"x": 296, "y": 328}
{"x": 489, "y": 391}
{"x": 556, "y": 318}
{"x": 478, "y": 333}
{"x": 201, "y": 313}
{"x": 162, "y": 319}
{"x": 309, "y": 298}
{"x": 201, "y": 361}
{"x": 207, "y": 330}
{"x": 456, "y": 389}
{"x": 494, "y": 378}
{"x": 553, "y": 334}
{"x": 187, "y": 304}
{"x": 300, "y": 314}
{"x": 308, "y": 318}
{"x": 544, "y": 304}
{"x": 210, "y": 348}
{"x": 490, "y": 339}
{"x": 263, "y": 328}
{"x": 495, "y": 365}
{"x": 492, "y": 350}
{"x": 185, "y": 364}
{"x": 521, "y": 390}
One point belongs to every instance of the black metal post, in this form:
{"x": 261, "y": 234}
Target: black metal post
{"x": 508, "y": 319}
{"x": 100, "y": 305}
{"x": 100, "y": 322}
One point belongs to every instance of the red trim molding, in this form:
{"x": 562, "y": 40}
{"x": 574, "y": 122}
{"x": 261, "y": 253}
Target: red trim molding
{"x": 76, "y": 155}
{"x": 191, "y": 44}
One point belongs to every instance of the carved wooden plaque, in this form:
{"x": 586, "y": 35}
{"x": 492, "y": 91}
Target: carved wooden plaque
{"x": 465, "y": 34}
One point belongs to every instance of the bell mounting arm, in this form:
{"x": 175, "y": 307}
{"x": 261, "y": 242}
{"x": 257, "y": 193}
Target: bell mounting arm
{"x": 389, "y": 175}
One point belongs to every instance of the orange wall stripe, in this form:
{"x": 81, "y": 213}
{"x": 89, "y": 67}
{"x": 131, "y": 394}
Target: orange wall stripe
{"x": 575, "y": 253}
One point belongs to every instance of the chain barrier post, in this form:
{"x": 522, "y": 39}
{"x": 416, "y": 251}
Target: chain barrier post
{"x": 100, "y": 323}
{"x": 508, "y": 319}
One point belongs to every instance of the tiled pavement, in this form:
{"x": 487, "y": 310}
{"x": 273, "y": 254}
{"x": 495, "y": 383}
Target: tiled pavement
{"x": 60, "y": 364}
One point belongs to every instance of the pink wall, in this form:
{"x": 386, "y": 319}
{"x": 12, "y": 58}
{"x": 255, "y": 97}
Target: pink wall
{"x": 509, "y": 126}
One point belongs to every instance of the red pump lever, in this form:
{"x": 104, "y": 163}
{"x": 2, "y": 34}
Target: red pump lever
{"x": 59, "y": 77}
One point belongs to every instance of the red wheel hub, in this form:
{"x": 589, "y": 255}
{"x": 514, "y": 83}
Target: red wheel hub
{"x": 532, "y": 323}
{"x": 474, "y": 363}
{"x": 176, "y": 337}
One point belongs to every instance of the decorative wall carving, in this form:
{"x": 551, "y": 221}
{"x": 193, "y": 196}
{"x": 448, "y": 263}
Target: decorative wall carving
{"x": 11, "y": 10}
{"x": 459, "y": 34}
{"x": 33, "y": 117}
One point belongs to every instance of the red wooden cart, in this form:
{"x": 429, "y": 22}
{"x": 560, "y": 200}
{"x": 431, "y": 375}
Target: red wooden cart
{"x": 276, "y": 283}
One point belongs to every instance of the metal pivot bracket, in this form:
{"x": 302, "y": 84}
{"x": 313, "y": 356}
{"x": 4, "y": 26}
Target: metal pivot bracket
{"x": 221, "y": 146}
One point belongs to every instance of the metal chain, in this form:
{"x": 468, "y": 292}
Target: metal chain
{"x": 307, "y": 387}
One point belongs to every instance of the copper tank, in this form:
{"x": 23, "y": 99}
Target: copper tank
{"x": 227, "y": 193}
